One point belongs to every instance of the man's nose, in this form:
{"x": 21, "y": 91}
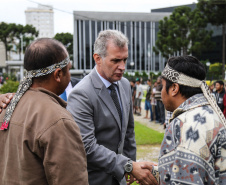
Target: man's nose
{"x": 122, "y": 65}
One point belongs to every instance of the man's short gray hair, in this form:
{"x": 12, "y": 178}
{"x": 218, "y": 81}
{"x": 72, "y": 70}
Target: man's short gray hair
{"x": 118, "y": 38}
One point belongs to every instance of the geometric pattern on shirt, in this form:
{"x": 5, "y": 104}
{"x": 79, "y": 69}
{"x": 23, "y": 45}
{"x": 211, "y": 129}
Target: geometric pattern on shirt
{"x": 177, "y": 131}
{"x": 185, "y": 169}
{"x": 217, "y": 123}
{"x": 207, "y": 109}
{"x": 200, "y": 119}
{"x": 198, "y": 99}
{"x": 209, "y": 136}
{"x": 114, "y": 97}
{"x": 168, "y": 116}
{"x": 171, "y": 141}
{"x": 204, "y": 152}
{"x": 193, "y": 135}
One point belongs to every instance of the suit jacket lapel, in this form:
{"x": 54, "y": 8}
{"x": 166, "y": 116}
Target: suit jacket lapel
{"x": 104, "y": 95}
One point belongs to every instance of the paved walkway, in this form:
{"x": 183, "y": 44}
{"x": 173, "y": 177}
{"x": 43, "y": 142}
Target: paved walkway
{"x": 146, "y": 122}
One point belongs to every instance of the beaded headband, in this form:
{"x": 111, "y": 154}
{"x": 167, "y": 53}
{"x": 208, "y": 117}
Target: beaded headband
{"x": 182, "y": 79}
{"x": 25, "y": 85}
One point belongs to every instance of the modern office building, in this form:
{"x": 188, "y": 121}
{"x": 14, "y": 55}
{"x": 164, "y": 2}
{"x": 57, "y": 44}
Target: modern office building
{"x": 42, "y": 19}
{"x": 172, "y": 8}
{"x": 140, "y": 28}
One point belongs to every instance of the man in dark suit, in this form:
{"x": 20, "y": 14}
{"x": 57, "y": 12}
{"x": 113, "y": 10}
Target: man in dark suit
{"x": 101, "y": 105}
{"x": 69, "y": 88}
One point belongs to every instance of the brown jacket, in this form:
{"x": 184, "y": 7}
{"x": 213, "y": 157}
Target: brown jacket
{"x": 42, "y": 144}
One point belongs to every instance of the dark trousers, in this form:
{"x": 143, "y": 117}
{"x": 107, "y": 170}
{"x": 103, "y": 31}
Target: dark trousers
{"x": 151, "y": 113}
{"x": 156, "y": 113}
{"x": 161, "y": 111}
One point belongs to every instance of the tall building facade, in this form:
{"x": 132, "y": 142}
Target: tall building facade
{"x": 42, "y": 19}
{"x": 140, "y": 28}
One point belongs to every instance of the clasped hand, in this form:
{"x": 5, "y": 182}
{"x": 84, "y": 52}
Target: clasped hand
{"x": 142, "y": 174}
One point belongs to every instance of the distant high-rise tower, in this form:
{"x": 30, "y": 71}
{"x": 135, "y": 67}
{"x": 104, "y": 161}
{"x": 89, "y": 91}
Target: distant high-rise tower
{"x": 42, "y": 19}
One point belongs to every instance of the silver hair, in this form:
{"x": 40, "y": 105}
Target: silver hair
{"x": 118, "y": 38}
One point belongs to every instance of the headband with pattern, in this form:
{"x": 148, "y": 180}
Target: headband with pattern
{"x": 25, "y": 85}
{"x": 182, "y": 79}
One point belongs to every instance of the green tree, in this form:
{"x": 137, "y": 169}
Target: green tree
{"x": 9, "y": 87}
{"x": 10, "y": 33}
{"x": 183, "y": 32}
{"x": 67, "y": 40}
{"x": 25, "y": 34}
{"x": 214, "y": 11}
{"x": 215, "y": 70}
{"x": 7, "y": 32}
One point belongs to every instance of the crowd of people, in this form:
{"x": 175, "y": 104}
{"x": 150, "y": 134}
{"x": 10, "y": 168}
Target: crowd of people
{"x": 153, "y": 100}
{"x": 91, "y": 139}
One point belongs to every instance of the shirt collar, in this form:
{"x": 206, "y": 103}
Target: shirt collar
{"x": 193, "y": 102}
{"x": 106, "y": 82}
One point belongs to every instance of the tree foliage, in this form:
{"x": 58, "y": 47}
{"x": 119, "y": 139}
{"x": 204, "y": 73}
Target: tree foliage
{"x": 9, "y": 87}
{"x": 7, "y": 32}
{"x": 215, "y": 70}
{"x": 25, "y": 34}
{"x": 11, "y": 33}
{"x": 183, "y": 32}
{"x": 67, "y": 40}
{"x": 215, "y": 12}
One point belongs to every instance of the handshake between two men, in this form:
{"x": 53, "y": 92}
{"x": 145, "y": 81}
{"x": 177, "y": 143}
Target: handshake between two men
{"x": 144, "y": 173}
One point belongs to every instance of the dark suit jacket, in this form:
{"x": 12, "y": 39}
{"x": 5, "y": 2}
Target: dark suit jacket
{"x": 74, "y": 81}
{"x": 108, "y": 143}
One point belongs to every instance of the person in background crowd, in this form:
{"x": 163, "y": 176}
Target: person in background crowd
{"x": 224, "y": 102}
{"x": 133, "y": 92}
{"x": 160, "y": 106}
{"x": 212, "y": 88}
{"x": 148, "y": 106}
{"x": 154, "y": 104}
{"x": 139, "y": 96}
{"x": 219, "y": 94}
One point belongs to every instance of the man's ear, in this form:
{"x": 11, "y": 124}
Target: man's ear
{"x": 175, "y": 89}
{"x": 97, "y": 58}
{"x": 57, "y": 75}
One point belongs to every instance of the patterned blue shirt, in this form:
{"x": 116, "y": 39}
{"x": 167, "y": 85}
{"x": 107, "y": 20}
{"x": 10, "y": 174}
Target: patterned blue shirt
{"x": 193, "y": 150}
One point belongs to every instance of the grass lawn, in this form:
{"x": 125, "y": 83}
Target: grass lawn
{"x": 147, "y": 136}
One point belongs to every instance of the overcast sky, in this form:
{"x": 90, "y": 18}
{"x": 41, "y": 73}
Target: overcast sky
{"x": 12, "y": 11}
